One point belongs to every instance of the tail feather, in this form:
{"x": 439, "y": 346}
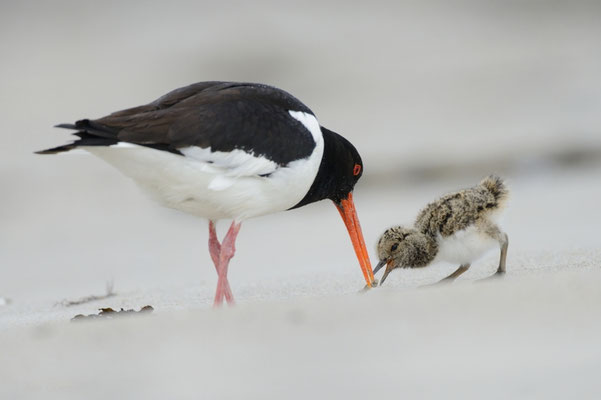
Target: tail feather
{"x": 496, "y": 186}
{"x": 93, "y": 127}
{"x": 85, "y": 139}
{"x": 66, "y": 126}
{"x": 59, "y": 149}
{"x": 92, "y": 133}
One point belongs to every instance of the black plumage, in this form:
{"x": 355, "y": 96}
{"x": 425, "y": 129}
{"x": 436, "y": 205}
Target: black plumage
{"x": 224, "y": 116}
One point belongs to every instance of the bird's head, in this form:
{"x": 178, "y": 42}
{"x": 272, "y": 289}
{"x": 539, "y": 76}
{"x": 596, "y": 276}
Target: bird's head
{"x": 344, "y": 165}
{"x": 401, "y": 247}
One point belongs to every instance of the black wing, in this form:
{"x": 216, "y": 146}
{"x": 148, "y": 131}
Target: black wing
{"x": 221, "y": 115}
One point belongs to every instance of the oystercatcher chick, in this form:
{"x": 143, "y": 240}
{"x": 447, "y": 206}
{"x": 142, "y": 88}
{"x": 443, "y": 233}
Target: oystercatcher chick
{"x": 459, "y": 228}
{"x": 228, "y": 150}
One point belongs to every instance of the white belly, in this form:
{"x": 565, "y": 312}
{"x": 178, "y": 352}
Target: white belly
{"x": 464, "y": 247}
{"x": 198, "y": 188}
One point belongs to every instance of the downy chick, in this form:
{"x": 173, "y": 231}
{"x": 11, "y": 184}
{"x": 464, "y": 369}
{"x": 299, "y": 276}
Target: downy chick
{"x": 459, "y": 228}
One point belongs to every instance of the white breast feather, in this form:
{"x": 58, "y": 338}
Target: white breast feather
{"x": 464, "y": 247}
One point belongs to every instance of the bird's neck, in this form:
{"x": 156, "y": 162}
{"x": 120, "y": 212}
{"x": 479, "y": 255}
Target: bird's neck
{"x": 327, "y": 183}
{"x": 424, "y": 249}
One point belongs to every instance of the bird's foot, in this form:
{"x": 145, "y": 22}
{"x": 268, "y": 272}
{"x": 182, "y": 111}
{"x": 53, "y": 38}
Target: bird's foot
{"x": 495, "y": 276}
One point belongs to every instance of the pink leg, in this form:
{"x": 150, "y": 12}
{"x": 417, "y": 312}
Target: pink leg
{"x": 228, "y": 249}
{"x": 215, "y": 251}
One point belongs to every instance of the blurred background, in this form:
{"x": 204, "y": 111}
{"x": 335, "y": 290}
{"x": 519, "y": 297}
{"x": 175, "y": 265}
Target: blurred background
{"x": 435, "y": 95}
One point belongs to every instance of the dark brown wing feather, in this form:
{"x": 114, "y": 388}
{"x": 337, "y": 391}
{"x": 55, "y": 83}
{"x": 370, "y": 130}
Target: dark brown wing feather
{"x": 221, "y": 115}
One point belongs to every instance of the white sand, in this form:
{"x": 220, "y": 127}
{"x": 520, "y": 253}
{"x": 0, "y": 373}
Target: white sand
{"x": 536, "y": 337}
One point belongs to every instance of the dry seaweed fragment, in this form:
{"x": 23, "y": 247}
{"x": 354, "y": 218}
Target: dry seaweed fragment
{"x": 109, "y": 313}
{"x": 109, "y": 293}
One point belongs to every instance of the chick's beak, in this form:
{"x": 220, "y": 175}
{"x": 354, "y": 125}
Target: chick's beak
{"x": 389, "y": 267}
{"x": 379, "y": 266}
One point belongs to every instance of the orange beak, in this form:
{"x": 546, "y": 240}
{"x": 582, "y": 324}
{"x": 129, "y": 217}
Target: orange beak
{"x": 349, "y": 216}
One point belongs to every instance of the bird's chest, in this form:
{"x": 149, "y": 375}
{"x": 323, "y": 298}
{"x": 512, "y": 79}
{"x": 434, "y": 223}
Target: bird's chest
{"x": 464, "y": 247}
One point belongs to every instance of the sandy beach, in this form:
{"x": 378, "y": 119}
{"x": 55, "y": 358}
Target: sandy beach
{"x": 434, "y": 97}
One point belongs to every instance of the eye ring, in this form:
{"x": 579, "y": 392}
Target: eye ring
{"x": 394, "y": 247}
{"x": 357, "y": 169}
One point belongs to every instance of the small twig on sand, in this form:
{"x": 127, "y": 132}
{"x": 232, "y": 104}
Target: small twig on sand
{"x": 87, "y": 299}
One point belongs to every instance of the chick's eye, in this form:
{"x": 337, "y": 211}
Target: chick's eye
{"x": 394, "y": 247}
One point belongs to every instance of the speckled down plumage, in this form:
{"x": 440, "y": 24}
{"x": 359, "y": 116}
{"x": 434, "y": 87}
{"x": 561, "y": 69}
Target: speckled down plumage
{"x": 458, "y": 227}
{"x": 456, "y": 211}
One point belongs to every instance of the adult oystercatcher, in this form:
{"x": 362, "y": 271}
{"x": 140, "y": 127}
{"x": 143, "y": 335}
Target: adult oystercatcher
{"x": 459, "y": 227}
{"x": 228, "y": 150}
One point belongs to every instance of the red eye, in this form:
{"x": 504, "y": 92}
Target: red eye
{"x": 357, "y": 170}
